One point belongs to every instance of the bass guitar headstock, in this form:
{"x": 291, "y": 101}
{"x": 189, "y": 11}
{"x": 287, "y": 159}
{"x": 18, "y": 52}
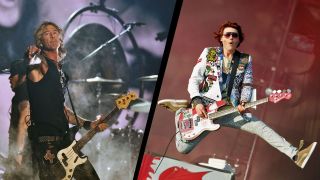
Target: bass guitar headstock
{"x": 278, "y": 95}
{"x": 123, "y": 101}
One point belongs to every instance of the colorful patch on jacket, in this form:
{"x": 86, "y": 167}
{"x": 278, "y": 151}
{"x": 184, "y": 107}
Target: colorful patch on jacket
{"x": 212, "y": 55}
{"x": 244, "y": 58}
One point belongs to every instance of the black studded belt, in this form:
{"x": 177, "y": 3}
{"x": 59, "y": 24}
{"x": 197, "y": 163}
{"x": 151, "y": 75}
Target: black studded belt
{"x": 49, "y": 138}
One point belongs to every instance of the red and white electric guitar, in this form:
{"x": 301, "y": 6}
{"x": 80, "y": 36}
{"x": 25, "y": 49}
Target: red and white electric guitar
{"x": 69, "y": 157}
{"x": 191, "y": 125}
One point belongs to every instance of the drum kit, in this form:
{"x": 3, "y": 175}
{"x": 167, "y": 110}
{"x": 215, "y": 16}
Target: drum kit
{"x": 139, "y": 105}
{"x": 126, "y": 140}
{"x": 99, "y": 72}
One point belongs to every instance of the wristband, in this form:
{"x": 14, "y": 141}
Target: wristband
{"x": 196, "y": 100}
{"x": 87, "y": 125}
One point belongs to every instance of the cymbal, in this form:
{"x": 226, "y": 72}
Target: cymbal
{"x": 98, "y": 79}
{"x": 112, "y": 94}
{"x": 148, "y": 78}
{"x": 107, "y": 97}
{"x": 140, "y": 105}
{"x": 5, "y": 71}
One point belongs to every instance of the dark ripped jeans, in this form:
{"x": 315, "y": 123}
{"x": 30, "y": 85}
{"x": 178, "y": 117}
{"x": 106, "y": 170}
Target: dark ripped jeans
{"x": 49, "y": 167}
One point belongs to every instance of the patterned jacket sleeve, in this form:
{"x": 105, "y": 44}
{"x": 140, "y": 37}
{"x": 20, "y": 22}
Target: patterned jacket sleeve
{"x": 247, "y": 83}
{"x": 197, "y": 75}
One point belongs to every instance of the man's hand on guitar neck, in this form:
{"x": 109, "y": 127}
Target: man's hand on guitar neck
{"x": 92, "y": 124}
{"x": 201, "y": 111}
{"x": 101, "y": 126}
{"x": 241, "y": 108}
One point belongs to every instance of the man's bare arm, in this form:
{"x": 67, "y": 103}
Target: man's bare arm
{"x": 24, "y": 119}
{"x": 36, "y": 72}
{"x": 87, "y": 124}
{"x": 71, "y": 117}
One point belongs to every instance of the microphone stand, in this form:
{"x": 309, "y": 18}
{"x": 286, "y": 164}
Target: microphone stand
{"x": 128, "y": 28}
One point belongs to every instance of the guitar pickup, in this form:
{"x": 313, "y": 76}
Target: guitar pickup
{"x": 196, "y": 121}
{"x": 185, "y": 125}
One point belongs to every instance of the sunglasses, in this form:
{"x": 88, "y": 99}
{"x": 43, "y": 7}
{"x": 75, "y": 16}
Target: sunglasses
{"x": 233, "y": 34}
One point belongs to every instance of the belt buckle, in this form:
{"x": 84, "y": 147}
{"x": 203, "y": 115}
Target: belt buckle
{"x": 49, "y": 138}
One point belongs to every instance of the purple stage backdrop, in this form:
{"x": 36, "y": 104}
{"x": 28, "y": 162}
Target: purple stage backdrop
{"x": 131, "y": 57}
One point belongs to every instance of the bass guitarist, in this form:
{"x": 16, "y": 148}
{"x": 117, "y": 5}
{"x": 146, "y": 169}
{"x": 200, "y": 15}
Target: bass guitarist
{"x": 50, "y": 117}
{"x": 223, "y": 73}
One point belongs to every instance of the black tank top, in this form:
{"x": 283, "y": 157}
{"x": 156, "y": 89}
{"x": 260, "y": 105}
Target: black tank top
{"x": 47, "y": 104}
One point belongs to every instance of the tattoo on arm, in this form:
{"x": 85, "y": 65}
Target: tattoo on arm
{"x": 24, "y": 109}
{"x": 71, "y": 117}
{"x": 24, "y": 119}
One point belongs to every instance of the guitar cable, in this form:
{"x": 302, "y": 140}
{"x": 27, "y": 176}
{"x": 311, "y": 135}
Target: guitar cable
{"x": 165, "y": 152}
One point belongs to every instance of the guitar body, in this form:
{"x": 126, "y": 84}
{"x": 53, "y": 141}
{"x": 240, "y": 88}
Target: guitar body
{"x": 69, "y": 159}
{"x": 192, "y": 125}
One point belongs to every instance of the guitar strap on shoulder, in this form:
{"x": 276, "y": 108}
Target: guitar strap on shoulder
{"x": 73, "y": 109}
{"x": 236, "y": 60}
{"x": 72, "y": 106}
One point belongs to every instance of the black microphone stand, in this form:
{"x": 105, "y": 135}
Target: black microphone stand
{"x": 128, "y": 28}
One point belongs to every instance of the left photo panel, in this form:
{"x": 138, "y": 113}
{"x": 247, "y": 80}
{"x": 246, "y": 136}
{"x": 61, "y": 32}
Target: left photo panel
{"x": 77, "y": 83}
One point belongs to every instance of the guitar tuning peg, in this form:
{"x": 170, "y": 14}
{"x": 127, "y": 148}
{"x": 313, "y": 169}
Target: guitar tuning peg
{"x": 268, "y": 91}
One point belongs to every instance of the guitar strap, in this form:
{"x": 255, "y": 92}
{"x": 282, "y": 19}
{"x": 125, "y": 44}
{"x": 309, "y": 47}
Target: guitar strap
{"x": 65, "y": 81}
{"x": 236, "y": 60}
{"x": 73, "y": 109}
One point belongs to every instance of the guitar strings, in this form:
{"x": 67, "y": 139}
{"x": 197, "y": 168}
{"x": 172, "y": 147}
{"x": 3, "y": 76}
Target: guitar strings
{"x": 72, "y": 152}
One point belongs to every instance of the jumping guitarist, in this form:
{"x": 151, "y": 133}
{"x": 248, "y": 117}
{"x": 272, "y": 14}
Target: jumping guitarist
{"x": 223, "y": 77}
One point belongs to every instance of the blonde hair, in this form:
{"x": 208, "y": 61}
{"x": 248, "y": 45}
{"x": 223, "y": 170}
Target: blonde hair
{"x": 39, "y": 32}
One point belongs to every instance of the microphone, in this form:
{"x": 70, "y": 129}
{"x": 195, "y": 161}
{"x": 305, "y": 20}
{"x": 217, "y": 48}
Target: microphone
{"x": 36, "y": 57}
{"x": 134, "y": 24}
{"x": 5, "y": 71}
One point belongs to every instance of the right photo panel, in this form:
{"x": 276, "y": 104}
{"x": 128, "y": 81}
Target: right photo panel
{"x": 240, "y": 94}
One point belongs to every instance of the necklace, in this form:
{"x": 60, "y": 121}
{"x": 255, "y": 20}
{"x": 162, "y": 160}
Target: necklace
{"x": 226, "y": 65}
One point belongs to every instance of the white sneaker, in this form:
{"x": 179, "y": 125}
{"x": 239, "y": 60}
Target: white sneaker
{"x": 304, "y": 155}
{"x": 173, "y": 104}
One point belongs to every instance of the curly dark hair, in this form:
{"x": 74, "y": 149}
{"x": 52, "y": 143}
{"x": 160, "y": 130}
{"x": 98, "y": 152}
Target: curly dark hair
{"x": 219, "y": 33}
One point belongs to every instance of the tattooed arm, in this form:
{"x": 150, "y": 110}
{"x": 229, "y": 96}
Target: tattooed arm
{"x": 24, "y": 118}
{"x": 87, "y": 124}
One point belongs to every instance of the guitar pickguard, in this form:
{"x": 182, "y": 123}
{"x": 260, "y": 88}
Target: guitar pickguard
{"x": 191, "y": 125}
{"x": 69, "y": 159}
